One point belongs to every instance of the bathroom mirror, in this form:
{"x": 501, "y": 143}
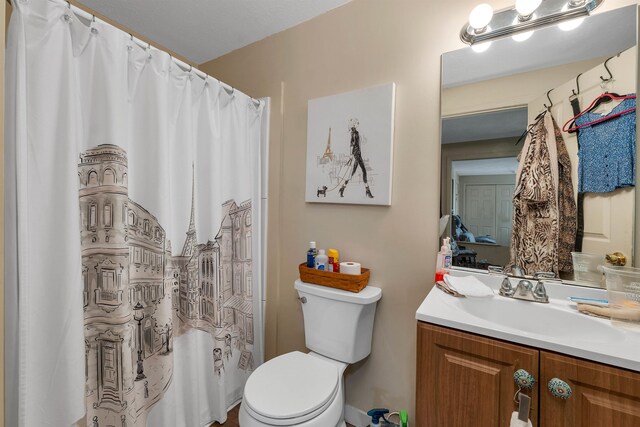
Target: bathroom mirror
{"x": 491, "y": 93}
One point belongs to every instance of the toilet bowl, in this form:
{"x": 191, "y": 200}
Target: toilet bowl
{"x": 295, "y": 389}
{"x": 307, "y": 389}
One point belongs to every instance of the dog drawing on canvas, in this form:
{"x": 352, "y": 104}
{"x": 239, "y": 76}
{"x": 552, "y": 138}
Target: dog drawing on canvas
{"x": 322, "y": 190}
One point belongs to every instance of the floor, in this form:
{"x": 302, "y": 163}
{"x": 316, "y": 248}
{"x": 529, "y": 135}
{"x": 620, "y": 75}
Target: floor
{"x": 232, "y": 419}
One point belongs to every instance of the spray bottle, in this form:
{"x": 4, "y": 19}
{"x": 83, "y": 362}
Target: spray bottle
{"x": 376, "y": 414}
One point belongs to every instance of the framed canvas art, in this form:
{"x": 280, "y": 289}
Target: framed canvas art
{"x": 350, "y": 147}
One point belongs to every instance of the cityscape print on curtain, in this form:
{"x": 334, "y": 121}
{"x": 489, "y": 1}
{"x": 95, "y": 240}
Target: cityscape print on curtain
{"x": 138, "y": 296}
{"x": 134, "y": 266}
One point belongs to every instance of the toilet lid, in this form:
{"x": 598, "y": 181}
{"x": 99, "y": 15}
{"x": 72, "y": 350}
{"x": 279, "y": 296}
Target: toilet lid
{"x": 291, "y": 386}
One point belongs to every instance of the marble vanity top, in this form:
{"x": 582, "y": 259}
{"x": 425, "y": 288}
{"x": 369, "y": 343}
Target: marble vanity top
{"x": 556, "y": 326}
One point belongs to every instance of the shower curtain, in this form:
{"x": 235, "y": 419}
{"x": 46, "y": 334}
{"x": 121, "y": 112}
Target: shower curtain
{"x": 133, "y": 230}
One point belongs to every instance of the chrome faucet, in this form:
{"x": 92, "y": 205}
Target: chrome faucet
{"x": 525, "y": 290}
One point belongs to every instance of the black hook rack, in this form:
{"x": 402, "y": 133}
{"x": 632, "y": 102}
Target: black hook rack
{"x": 608, "y": 70}
{"x": 548, "y": 107}
{"x": 577, "y": 86}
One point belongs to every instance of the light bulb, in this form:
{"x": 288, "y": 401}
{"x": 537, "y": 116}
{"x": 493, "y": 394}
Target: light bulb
{"x": 481, "y": 47}
{"x": 526, "y": 7}
{"x": 571, "y": 24}
{"x": 480, "y": 16}
{"x": 520, "y": 37}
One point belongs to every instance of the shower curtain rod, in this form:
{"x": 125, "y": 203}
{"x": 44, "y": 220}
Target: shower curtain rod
{"x": 183, "y": 64}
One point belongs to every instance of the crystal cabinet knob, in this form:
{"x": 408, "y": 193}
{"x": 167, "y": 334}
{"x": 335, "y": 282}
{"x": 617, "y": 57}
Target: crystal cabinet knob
{"x": 559, "y": 388}
{"x": 524, "y": 380}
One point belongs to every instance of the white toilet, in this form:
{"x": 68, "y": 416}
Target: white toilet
{"x": 307, "y": 390}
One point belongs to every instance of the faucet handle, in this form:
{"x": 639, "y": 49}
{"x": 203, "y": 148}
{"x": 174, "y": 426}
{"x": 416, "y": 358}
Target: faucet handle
{"x": 540, "y": 292}
{"x": 506, "y": 289}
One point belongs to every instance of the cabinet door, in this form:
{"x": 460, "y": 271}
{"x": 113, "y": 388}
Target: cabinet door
{"x": 465, "y": 379}
{"x": 601, "y": 395}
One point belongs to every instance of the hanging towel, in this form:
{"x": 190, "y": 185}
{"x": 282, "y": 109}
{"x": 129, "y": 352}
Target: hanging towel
{"x": 515, "y": 422}
{"x": 468, "y": 286}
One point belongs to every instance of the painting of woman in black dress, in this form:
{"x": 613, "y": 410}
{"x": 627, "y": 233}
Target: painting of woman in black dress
{"x": 356, "y": 159}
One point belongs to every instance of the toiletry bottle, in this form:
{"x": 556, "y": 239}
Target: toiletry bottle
{"x": 448, "y": 255}
{"x": 334, "y": 263}
{"x": 404, "y": 418}
{"x": 311, "y": 255}
{"x": 321, "y": 260}
{"x": 440, "y": 270}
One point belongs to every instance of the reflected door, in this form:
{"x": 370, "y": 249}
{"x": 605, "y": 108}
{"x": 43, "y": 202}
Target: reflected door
{"x": 479, "y": 209}
{"x": 487, "y": 210}
{"x": 504, "y": 213}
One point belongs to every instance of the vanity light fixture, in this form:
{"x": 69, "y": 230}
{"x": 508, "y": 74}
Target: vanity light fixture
{"x": 480, "y": 17}
{"x": 526, "y": 8}
{"x": 525, "y": 16}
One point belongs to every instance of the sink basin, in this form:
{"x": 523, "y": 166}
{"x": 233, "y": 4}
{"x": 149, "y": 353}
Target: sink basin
{"x": 556, "y": 326}
{"x": 556, "y": 319}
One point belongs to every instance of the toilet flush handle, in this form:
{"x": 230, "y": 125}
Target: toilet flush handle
{"x": 303, "y": 299}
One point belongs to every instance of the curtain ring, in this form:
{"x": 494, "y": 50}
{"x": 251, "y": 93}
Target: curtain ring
{"x": 93, "y": 19}
{"x": 69, "y": 4}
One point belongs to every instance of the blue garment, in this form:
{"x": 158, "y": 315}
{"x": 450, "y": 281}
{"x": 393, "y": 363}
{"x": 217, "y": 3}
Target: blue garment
{"x": 607, "y": 152}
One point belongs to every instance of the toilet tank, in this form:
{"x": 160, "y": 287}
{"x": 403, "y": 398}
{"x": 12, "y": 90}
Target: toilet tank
{"x": 338, "y": 324}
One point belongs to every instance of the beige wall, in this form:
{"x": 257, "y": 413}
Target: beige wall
{"x": 363, "y": 43}
{"x": 516, "y": 90}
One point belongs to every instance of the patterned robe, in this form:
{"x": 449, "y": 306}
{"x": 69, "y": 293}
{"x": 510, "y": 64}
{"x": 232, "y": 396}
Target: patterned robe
{"x": 544, "y": 208}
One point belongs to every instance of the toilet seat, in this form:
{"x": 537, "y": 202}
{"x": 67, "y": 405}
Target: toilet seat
{"x": 291, "y": 389}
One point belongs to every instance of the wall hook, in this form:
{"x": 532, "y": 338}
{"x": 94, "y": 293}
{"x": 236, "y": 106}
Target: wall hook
{"x": 548, "y": 107}
{"x": 577, "y": 85}
{"x": 608, "y": 70}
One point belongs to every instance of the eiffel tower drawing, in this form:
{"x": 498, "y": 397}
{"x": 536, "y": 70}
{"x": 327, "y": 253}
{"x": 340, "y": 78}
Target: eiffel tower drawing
{"x": 328, "y": 154}
{"x": 192, "y": 241}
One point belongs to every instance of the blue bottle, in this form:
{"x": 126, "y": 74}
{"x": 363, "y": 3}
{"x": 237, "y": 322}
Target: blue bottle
{"x": 311, "y": 255}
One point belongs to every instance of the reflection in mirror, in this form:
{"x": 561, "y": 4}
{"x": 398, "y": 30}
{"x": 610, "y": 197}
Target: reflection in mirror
{"x": 520, "y": 190}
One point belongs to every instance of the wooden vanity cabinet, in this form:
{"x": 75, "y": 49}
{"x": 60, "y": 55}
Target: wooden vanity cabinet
{"x": 465, "y": 379}
{"x": 601, "y": 395}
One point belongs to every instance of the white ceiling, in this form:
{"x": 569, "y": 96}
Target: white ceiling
{"x": 201, "y": 30}
{"x": 500, "y": 166}
{"x": 482, "y": 126}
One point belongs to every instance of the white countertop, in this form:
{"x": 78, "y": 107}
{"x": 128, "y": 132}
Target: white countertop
{"x": 556, "y": 326}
